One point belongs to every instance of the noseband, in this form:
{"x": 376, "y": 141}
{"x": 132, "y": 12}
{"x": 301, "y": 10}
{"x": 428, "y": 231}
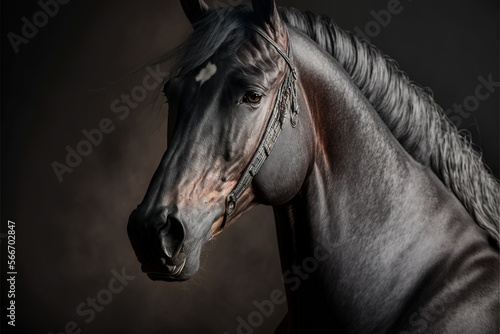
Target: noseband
{"x": 287, "y": 94}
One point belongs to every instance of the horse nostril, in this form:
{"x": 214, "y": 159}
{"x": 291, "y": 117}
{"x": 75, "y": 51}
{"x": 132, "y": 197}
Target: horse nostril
{"x": 171, "y": 237}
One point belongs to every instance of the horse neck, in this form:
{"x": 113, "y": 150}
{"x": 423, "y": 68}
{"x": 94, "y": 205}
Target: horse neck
{"x": 358, "y": 170}
{"x": 363, "y": 203}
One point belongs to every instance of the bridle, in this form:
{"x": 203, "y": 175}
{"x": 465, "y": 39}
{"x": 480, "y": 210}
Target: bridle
{"x": 286, "y": 91}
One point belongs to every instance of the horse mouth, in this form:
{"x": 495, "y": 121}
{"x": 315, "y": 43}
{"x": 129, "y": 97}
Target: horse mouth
{"x": 167, "y": 272}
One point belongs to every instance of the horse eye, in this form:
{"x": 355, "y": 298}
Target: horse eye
{"x": 252, "y": 98}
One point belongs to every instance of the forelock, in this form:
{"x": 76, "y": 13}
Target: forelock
{"x": 220, "y": 34}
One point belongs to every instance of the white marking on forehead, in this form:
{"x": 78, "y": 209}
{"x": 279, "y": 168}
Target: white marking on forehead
{"x": 206, "y": 73}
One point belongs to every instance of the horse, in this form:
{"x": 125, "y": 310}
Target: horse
{"x": 387, "y": 219}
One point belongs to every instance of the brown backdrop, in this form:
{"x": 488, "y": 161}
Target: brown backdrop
{"x": 71, "y": 235}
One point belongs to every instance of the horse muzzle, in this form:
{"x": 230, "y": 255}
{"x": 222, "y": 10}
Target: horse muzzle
{"x": 158, "y": 242}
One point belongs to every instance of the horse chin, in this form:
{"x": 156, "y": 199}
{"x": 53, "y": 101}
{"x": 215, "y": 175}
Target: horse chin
{"x": 168, "y": 278}
{"x": 183, "y": 271}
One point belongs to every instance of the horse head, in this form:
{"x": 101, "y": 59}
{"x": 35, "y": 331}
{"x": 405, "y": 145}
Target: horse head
{"x": 232, "y": 99}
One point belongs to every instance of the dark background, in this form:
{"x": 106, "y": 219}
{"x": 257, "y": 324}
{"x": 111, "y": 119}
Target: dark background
{"x": 70, "y": 235}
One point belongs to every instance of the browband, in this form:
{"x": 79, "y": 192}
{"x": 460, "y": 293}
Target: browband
{"x": 286, "y": 91}
{"x": 276, "y": 46}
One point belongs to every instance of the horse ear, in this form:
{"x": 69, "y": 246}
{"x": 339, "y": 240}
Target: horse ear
{"x": 194, "y": 10}
{"x": 267, "y": 12}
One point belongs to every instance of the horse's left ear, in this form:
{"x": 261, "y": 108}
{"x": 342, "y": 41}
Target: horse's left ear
{"x": 267, "y": 12}
{"x": 194, "y": 10}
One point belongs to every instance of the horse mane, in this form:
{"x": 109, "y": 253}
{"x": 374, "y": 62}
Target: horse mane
{"x": 412, "y": 116}
{"x": 410, "y": 112}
